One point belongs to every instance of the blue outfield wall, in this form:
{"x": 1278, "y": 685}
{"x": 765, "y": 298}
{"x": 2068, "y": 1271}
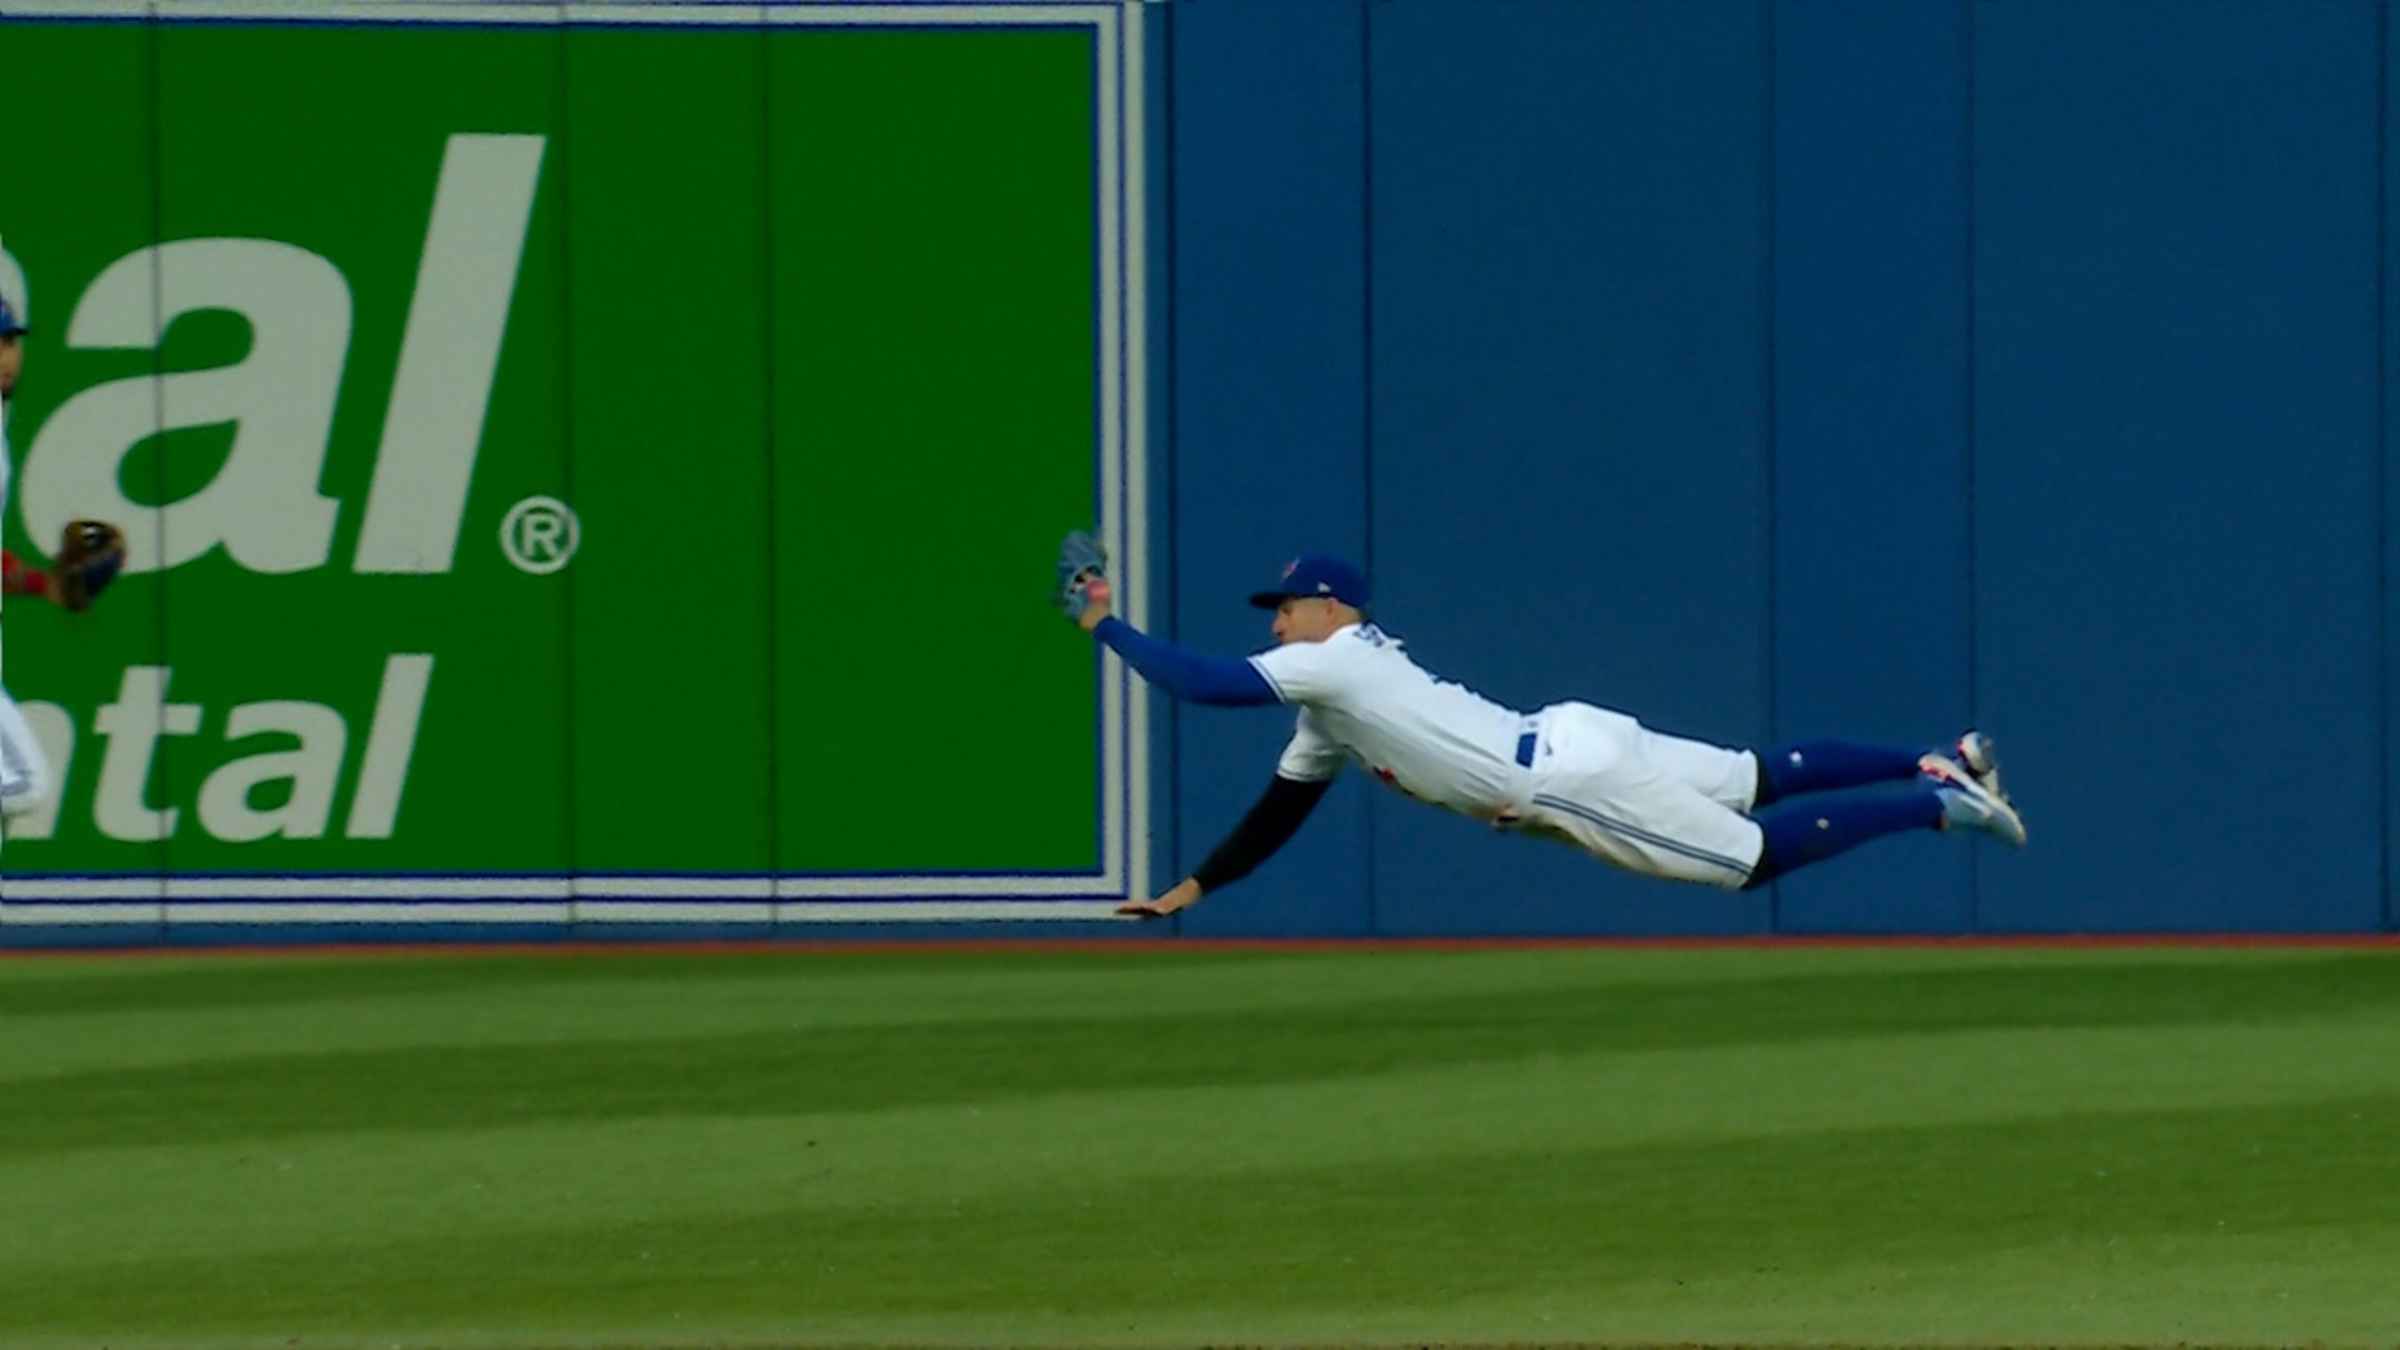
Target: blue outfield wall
{"x": 1873, "y": 620}
{"x": 2179, "y": 531}
{"x": 1268, "y": 334}
{"x": 1783, "y": 369}
{"x": 2388, "y": 409}
{"x": 1530, "y": 468}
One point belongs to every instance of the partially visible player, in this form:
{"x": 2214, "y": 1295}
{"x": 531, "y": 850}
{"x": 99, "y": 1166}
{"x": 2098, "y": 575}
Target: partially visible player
{"x": 1598, "y": 779}
{"x": 24, "y": 773}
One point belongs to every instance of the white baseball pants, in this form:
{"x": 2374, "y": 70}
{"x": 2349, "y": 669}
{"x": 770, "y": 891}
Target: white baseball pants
{"x": 1656, "y": 804}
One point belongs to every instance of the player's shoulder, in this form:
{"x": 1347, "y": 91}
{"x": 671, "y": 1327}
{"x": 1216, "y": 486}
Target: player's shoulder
{"x": 1303, "y": 672}
{"x": 1344, "y": 646}
{"x": 1360, "y": 644}
{"x": 1368, "y": 634}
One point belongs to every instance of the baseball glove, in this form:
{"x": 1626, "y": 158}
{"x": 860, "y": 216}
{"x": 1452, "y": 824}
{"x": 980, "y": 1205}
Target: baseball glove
{"x": 90, "y": 554}
{"x": 1082, "y": 575}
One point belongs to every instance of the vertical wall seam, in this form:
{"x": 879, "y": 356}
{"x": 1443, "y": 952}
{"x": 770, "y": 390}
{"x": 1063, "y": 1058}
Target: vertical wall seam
{"x": 2383, "y": 501}
{"x": 773, "y": 500}
{"x": 1366, "y": 382}
{"x": 164, "y": 751}
{"x": 1170, "y": 455}
{"x": 564, "y": 135}
{"x": 1967, "y": 127}
{"x": 1768, "y": 413}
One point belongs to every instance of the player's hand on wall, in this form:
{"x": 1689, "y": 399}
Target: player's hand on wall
{"x": 1083, "y": 589}
{"x": 1186, "y": 893}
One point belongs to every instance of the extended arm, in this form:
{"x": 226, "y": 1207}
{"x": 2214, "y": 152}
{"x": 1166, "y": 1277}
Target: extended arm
{"x": 1266, "y": 827}
{"x": 18, "y": 579}
{"x": 1226, "y": 682}
{"x": 1085, "y": 593}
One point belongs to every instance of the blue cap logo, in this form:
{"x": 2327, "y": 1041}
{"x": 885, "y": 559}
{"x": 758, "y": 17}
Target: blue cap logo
{"x": 1316, "y": 574}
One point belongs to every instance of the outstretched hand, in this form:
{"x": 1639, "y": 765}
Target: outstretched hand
{"x": 1185, "y": 894}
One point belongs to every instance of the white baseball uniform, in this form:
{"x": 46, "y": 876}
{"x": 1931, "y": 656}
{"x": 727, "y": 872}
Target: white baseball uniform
{"x": 1656, "y": 804}
{"x": 24, "y": 773}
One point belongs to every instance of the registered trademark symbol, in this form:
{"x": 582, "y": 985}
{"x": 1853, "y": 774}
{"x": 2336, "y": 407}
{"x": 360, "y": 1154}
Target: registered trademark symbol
{"x": 540, "y": 534}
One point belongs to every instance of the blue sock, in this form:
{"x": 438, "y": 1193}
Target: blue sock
{"x": 1805, "y": 835}
{"x": 1823, "y": 766}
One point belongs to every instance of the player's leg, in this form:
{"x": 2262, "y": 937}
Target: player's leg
{"x": 1944, "y": 797}
{"x": 1797, "y": 836}
{"x": 1625, "y": 794}
{"x": 1731, "y": 778}
{"x": 1746, "y": 780}
{"x": 1726, "y": 776}
{"x": 1607, "y": 795}
{"x": 1829, "y": 766}
{"x": 1706, "y": 842}
{"x": 24, "y": 772}
{"x": 1604, "y": 793}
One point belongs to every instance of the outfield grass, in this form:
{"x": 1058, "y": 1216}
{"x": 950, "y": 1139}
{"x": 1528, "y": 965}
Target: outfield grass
{"x": 1796, "y": 1146}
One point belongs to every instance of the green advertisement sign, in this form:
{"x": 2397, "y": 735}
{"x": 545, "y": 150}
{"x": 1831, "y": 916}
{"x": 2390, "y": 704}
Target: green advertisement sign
{"x": 580, "y": 462}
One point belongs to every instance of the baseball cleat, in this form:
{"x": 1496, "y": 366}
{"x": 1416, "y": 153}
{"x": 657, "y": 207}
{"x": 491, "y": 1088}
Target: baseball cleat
{"x": 1981, "y": 758}
{"x": 1965, "y": 802}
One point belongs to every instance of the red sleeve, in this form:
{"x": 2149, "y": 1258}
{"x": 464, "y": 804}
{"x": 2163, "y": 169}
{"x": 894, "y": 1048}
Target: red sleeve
{"x": 18, "y": 579}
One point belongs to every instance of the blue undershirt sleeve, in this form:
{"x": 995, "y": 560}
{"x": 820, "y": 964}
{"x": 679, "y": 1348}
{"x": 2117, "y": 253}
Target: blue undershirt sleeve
{"x": 1225, "y": 682}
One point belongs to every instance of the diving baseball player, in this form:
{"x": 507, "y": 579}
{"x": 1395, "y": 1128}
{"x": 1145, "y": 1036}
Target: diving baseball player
{"x": 1585, "y": 775}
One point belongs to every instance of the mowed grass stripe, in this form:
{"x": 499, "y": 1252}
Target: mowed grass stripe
{"x": 36, "y": 984}
{"x": 1483, "y": 1147}
{"x": 795, "y": 1066}
{"x": 131, "y": 1012}
{"x": 134, "y": 1016}
{"x": 1479, "y": 1229}
{"x": 300, "y": 1193}
{"x": 77, "y": 1014}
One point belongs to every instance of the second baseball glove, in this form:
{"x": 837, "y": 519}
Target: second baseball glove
{"x": 90, "y": 554}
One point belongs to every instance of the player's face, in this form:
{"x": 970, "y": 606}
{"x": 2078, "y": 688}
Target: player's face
{"x": 1306, "y": 619}
{"x": 12, "y": 360}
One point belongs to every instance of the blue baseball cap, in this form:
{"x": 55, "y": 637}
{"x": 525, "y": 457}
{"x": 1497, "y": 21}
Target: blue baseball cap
{"x": 1316, "y": 574}
{"x": 10, "y": 324}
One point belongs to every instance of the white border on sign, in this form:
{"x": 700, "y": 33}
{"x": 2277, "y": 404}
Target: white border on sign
{"x": 1121, "y": 185}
